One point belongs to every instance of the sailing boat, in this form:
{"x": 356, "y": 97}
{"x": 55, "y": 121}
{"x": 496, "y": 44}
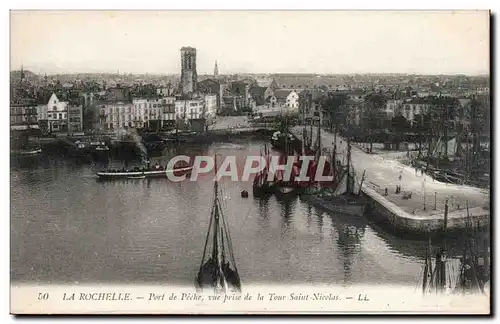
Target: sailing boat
{"x": 442, "y": 275}
{"x": 261, "y": 185}
{"x": 218, "y": 269}
{"x": 468, "y": 275}
{"x": 282, "y": 140}
{"x": 343, "y": 198}
{"x": 287, "y": 187}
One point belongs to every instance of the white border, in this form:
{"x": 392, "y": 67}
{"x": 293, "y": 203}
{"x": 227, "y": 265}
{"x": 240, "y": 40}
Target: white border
{"x": 145, "y": 4}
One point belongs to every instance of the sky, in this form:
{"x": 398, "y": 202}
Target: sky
{"x": 323, "y": 42}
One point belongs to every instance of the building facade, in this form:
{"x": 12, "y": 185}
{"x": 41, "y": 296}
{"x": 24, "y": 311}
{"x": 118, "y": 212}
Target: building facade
{"x": 211, "y": 106}
{"x": 292, "y": 102}
{"x": 414, "y": 107}
{"x": 392, "y": 107}
{"x": 75, "y": 118}
{"x": 23, "y": 116}
{"x": 286, "y": 100}
{"x": 211, "y": 87}
{"x": 190, "y": 109}
{"x": 57, "y": 115}
{"x": 116, "y": 115}
{"x": 168, "y": 113}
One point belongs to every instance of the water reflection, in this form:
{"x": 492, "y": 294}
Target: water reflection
{"x": 349, "y": 238}
{"x": 287, "y": 207}
{"x": 68, "y": 227}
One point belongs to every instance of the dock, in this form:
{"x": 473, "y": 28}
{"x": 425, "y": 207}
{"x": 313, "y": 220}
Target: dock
{"x": 425, "y": 211}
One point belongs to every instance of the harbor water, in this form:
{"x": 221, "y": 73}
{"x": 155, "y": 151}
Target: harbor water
{"x": 67, "y": 227}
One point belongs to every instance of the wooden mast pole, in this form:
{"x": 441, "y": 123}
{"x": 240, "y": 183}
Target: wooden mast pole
{"x": 348, "y": 184}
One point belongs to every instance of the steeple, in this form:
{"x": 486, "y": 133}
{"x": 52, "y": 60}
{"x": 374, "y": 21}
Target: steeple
{"x": 216, "y": 70}
{"x": 22, "y": 72}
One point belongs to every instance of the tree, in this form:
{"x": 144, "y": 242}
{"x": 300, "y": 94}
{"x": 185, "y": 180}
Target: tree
{"x": 373, "y": 114}
{"x": 480, "y": 122}
{"x": 334, "y": 107}
{"x": 400, "y": 126}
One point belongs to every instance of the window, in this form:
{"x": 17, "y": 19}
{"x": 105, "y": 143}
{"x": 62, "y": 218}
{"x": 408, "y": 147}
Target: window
{"x": 60, "y": 116}
{"x": 54, "y": 107}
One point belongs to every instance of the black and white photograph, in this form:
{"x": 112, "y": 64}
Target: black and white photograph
{"x": 239, "y": 162}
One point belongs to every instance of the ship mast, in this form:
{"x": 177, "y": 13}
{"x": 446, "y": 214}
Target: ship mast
{"x": 217, "y": 272}
{"x": 216, "y": 253}
{"x": 348, "y": 184}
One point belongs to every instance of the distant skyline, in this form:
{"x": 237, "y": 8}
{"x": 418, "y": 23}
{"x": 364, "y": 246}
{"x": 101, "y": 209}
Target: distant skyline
{"x": 259, "y": 42}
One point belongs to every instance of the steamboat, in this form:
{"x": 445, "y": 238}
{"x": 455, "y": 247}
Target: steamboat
{"x": 157, "y": 171}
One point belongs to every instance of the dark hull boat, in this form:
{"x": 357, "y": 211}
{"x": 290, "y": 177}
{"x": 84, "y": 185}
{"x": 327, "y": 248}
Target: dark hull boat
{"x": 260, "y": 190}
{"x": 218, "y": 271}
{"x": 283, "y": 143}
{"x": 25, "y": 152}
{"x": 471, "y": 274}
{"x": 286, "y": 191}
{"x": 216, "y": 275}
{"x": 338, "y": 204}
{"x": 261, "y": 185}
{"x": 342, "y": 197}
{"x": 113, "y": 175}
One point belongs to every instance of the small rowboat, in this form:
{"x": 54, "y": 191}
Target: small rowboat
{"x": 285, "y": 190}
{"x": 102, "y": 148}
{"x": 26, "y": 152}
{"x": 113, "y": 175}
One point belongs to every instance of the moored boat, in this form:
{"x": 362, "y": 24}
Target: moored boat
{"x": 218, "y": 269}
{"x": 343, "y": 197}
{"x": 337, "y": 204}
{"x": 137, "y": 177}
{"x": 101, "y": 148}
{"x": 261, "y": 184}
{"x": 283, "y": 141}
{"x": 146, "y": 173}
{"x": 286, "y": 191}
{"x": 26, "y": 152}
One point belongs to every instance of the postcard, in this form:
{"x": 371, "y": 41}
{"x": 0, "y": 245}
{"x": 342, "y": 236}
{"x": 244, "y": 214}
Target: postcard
{"x": 250, "y": 162}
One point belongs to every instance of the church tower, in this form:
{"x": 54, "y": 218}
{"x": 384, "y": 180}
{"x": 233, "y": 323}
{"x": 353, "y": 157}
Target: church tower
{"x": 216, "y": 70}
{"x": 22, "y": 73}
{"x": 189, "y": 77}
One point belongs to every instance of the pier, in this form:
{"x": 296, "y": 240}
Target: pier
{"x": 424, "y": 210}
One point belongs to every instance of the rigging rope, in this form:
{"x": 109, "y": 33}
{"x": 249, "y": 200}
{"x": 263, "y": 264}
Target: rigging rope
{"x": 223, "y": 226}
{"x": 206, "y": 240}
{"x": 230, "y": 243}
{"x": 244, "y": 221}
{"x": 420, "y": 274}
